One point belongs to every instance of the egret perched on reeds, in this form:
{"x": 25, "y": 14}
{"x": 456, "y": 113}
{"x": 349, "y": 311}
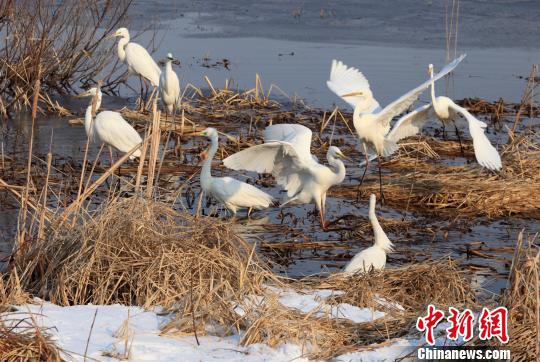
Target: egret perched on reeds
{"x": 286, "y": 154}
{"x": 137, "y": 59}
{"x": 372, "y": 123}
{"x": 169, "y": 86}
{"x": 373, "y": 257}
{"x": 109, "y": 127}
{"x": 230, "y": 192}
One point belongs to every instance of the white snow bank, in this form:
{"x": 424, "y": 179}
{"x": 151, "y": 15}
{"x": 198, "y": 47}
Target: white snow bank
{"x": 71, "y": 327}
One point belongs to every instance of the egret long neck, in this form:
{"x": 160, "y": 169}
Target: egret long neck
{"x": 339, "y": 174}
{"x": 88, "y": 121}
{"x": 206, "y": 174}
{"x": 433, "y": 98}
{"x": 122, "y": 48}
{"x": 168, "y": 75}
{"x": 363, "y": 104}
{"x": 381, "y": 239}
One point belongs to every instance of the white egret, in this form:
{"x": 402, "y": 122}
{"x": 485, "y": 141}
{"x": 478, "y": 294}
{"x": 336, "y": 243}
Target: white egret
{"x": 169, "y": 86}
{"x": 109, "y": 127}
{"x": 372, "y": 123}
{"x": 446, "y": 110}
{"x": 137, "y": 59}
{"x": 230, "y": 192}
{"x": 373, "y": 257}
{"x": 286, "y": 154}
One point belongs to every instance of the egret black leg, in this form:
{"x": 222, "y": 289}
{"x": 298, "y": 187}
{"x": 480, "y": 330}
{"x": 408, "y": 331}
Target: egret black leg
{"x": 364, "y": 174}
{"x": 458, "y": 134}
{"x": 380, "y": 182}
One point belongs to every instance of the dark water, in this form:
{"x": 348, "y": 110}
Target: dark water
{"x": 391, "y": 42}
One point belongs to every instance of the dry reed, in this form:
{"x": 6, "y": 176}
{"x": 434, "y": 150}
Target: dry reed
{"x": 24, "y": 341}
{"x": 139, "y": 252}
{"x": 66, "y": 39}
{"x": 450, "y": 191}
{"x": 522, "y": 298}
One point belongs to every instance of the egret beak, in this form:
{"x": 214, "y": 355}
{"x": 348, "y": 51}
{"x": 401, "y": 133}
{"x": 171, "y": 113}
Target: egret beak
{"x": 353, "y": 94}
{"x": 341, "y": 155}
{"x": 194, "y": 134}
{"x": 83, "y": 94}
{"x": 112, "y": 35}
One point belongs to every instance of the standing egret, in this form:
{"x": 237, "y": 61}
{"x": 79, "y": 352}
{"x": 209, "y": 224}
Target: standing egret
{"x": 286, "y": 154}
{"x": 109, "y": 127}
{"x": 169, "y": 86}
{"x": 230, "y": 192}
{"x": 137, "y": 59}
{"x": 374, "y": 256}
{"x": 372, "y": 123}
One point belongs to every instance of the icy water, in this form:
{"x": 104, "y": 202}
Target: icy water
{"x": 295, "y": 54}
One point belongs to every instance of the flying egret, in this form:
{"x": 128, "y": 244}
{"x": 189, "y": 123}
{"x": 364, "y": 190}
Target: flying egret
{"x": 137, "y": 59}
{"x": 230, "y": 192}
{"x": 109, "y": 127}
{"x": 445, "y": 109}
{"x": 286, "y": 154}
{"x": 169, "y": 86}
{"x": 373, "y": 257}
{"x": 372, "y": 123}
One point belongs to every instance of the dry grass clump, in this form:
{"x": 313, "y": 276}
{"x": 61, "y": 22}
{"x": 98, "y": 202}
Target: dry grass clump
{"x": 139, "y": 252}
{"x": 320, "y": 336}
{"x": 522, "y": 298}
{"x": 468, "y": 190}
{"x": 440, "y": 282}
{"x": 11, "y": 292}
{"x": 403, "y": 293}
{"x": 24, "y": 341}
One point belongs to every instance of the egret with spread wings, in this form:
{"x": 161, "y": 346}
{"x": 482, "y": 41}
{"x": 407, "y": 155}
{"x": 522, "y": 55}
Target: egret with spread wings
{"x": 372, "y": 123}
{"x": 230, "y": 192}
{"x": 286, "y": 154}
{"x": 446, "y": 110}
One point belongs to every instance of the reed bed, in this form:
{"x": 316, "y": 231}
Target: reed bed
{"x": 449, "y": 191}
{"x": 403, "y": 293}
{"x": 139, "y": 252}
{"x": 522, "y": 298}
{"x": 60, "y": 44}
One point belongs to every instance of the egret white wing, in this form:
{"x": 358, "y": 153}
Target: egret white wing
{"x": 278, "y": 157}
{"x": 140, "y": 61}
{"x": 296, "y": 135}
{"x": 259, "y": 158}
{"x": 485, "y": 153}
{"x": 345, "y": 80}
{"x": 113, "y": 129}
{"x": 405, "y": 101}
{"x": 239, "y": 194}
{"x": 411, "y": 123}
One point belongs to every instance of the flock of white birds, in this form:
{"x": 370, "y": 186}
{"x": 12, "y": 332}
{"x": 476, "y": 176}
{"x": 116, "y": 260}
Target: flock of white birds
{"x": 285, "y": 152}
